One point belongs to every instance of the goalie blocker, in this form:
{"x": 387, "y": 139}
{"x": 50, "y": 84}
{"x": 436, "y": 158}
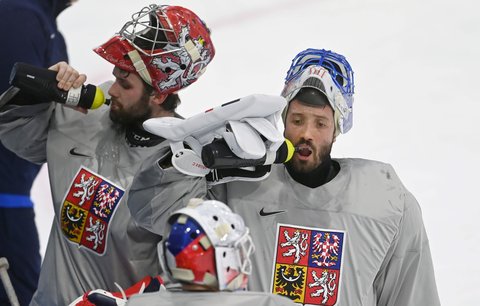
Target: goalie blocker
{"x": 238, "y": 134}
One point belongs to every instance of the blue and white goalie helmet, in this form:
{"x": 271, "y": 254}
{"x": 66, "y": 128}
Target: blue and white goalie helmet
{"x": 331, "y": 74}
{"x": 209, "y": 245}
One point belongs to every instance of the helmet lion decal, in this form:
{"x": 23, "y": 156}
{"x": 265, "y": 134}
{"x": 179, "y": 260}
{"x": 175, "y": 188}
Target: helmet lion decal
{"x": 173, "y": 67}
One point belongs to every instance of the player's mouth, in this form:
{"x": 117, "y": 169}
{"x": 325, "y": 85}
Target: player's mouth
{"x": 114, "y": 105}
{"x": 303, "y": 151}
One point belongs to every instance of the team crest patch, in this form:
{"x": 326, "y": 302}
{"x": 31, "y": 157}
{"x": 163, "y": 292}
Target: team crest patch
{"x": 88, "y": 208}
{"x": 307, "y": 264}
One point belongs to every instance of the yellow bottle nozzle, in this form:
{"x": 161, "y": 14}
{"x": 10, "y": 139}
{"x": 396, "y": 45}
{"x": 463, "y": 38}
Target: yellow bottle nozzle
{"x": 99, "y": 99}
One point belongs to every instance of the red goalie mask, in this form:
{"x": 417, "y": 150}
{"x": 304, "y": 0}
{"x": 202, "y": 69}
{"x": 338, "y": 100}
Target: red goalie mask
{"x": 168, "y": 46}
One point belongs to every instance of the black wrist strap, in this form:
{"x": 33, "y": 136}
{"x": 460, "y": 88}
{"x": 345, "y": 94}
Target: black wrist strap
{"x": 219, "y": 174}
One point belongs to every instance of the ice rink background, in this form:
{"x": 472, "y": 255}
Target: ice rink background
{"x": 416, "y": 104}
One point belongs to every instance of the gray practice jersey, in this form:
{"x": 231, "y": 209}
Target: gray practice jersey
{"x": 94, "y": 242}
{"x": 182, "y": 298}
{"x": 357, "y": 240}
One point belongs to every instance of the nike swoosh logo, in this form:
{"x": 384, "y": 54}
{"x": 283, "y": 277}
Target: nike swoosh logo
{"x": 263, "y": 213}
{"x": 74, "y": 153}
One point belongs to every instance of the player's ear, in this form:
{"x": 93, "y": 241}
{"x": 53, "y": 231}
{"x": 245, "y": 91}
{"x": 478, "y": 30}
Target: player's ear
{"x": 158, "y": 98}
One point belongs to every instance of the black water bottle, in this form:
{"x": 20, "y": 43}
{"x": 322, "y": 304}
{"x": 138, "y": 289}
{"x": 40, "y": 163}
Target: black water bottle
{"x": 217, "y": 155}
{"x": 42, "y": 83}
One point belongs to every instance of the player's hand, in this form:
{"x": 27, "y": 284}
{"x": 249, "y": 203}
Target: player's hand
{"x": 68, "y": 78}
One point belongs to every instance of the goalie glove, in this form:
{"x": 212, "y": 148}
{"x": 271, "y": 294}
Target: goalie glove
{"x": 248, "y": 127}
{"x": 99, "y": 297}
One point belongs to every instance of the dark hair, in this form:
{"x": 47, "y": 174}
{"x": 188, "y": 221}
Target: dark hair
{"x": 172, "y": 101}
{"x": 153, "y": 38}
{"x": 313, "y": 96}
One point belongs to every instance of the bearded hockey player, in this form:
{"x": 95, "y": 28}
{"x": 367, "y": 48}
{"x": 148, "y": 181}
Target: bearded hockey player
{"x": 328, "y": 231}
{"x": 92, "y": 158}
{"x": 332, "y": 231}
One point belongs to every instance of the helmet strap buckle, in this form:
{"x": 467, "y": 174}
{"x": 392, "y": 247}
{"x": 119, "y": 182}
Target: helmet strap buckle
{"x": 140, "y": 66}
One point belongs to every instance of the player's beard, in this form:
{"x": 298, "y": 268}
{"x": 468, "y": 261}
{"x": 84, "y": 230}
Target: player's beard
{"x": 133, "y": 116}
{"x": 320, "y": 155}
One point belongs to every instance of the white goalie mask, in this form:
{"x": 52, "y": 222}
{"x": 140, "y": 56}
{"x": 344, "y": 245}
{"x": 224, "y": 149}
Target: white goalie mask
{"x": 209, "y": 245}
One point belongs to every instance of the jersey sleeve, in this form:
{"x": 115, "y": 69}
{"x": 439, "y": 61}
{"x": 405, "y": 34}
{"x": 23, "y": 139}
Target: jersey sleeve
{"x": 218, "y": 192}
{"x": 158, "y": 189}
{"x": 407, "y": 275}
{"x": 24, "y": 130}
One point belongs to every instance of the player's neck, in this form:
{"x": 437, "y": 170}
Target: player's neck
{"x": 319, "y": 176}
{"x": 138, "y": 137}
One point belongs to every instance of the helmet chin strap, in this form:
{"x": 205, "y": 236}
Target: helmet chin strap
{"x": 140, "y": 66}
